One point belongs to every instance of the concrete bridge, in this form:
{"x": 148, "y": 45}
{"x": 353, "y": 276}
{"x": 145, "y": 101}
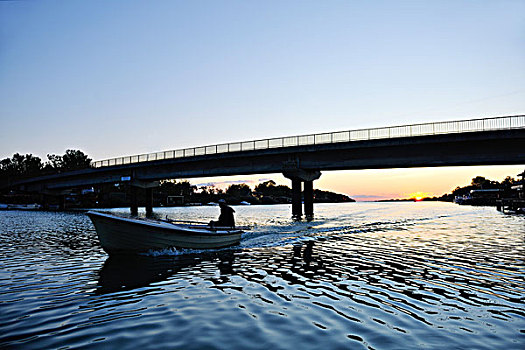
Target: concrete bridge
{"x": 489, "y": 141}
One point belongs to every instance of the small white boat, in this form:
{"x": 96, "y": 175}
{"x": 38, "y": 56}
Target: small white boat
{"x": 120, "y": 235}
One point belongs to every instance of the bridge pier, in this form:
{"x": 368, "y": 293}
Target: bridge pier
{"x": 309, "y": 200}
{"x": 134, "y": 204}
{"x": 297, "y": 210}
{"x": 54, "y": 199}
{"x": 298, "y": 177}
{"x": 149, "y": 201}
{"x": 134, "y": 187}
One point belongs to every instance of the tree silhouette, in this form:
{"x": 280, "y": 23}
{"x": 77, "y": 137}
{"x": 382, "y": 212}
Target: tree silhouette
{"x": 21, "y": 165}
{"x": 239, "y": 190}
{"x": 75, "y": 159}
{"x": 54, "y": 162}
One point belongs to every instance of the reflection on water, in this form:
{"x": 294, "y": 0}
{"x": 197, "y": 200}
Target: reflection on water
{"x": 128, "y": 272}
{"x": 371, "y": 276}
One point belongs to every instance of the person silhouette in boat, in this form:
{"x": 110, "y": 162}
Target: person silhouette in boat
{"x": 226, "y": 218}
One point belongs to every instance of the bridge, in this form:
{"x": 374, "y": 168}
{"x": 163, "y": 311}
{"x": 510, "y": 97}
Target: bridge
{"x": 487, "y": 141}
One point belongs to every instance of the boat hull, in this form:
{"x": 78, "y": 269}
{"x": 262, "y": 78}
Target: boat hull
{"x": 128, "y": 236}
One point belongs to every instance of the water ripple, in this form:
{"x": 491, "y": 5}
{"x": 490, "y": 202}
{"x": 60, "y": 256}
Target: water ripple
{"x": 371, "y": 276}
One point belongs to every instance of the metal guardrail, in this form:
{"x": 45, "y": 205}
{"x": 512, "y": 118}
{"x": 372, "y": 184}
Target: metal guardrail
{"x": 450, "y": 127}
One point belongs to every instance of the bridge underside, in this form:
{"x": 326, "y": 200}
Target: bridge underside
{"x": 302, "y": 164}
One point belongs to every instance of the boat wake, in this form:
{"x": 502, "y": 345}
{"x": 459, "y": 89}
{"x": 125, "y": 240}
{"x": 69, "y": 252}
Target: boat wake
{"x": 278, "y": 233}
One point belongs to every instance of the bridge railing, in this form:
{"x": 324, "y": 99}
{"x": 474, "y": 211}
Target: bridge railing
{"x": 448, "y": 127}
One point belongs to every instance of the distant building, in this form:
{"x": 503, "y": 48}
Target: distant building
{"x": 480, "y": 197}
{"x": 492, "y": 193}
{"x": 514, "y": 202}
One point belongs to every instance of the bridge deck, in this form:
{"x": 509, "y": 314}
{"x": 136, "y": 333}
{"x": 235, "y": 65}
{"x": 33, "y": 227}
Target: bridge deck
{"x": 426, "y": 129}
{"x": 491, "y": 141}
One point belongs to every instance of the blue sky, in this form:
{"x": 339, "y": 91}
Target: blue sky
{"x": 116, "y": 78}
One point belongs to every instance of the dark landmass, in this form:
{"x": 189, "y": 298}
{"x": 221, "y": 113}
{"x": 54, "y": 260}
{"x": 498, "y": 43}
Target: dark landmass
{"x": 169, "y": 193}
{"x": 267, "y": 192}
{"x": 481, "y": 191}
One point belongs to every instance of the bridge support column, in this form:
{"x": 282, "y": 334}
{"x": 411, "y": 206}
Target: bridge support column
{"x": 298, "y": 176}
{"x": 135, "y": 184}
{"x": 309, "y": 200}
{"x": 297, "y": 211}
{"x": 54, "y": 199}
{"x": 149, "y": 201}
{"x": 134, "y": 204}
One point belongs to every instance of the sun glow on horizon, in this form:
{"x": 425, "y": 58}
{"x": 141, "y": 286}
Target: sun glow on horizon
{"x": 417, "y": 196}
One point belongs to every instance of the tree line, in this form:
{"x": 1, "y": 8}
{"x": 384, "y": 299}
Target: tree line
{"x": 267, "y": 192}
{"x": 21, "y": 166}
{"x": 28, "y": 165}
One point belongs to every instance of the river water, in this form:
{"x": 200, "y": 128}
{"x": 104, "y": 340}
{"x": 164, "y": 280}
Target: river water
{"x": 360, "y": 276}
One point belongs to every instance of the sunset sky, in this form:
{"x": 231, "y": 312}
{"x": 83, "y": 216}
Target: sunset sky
{"x": 115, "y": 78}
